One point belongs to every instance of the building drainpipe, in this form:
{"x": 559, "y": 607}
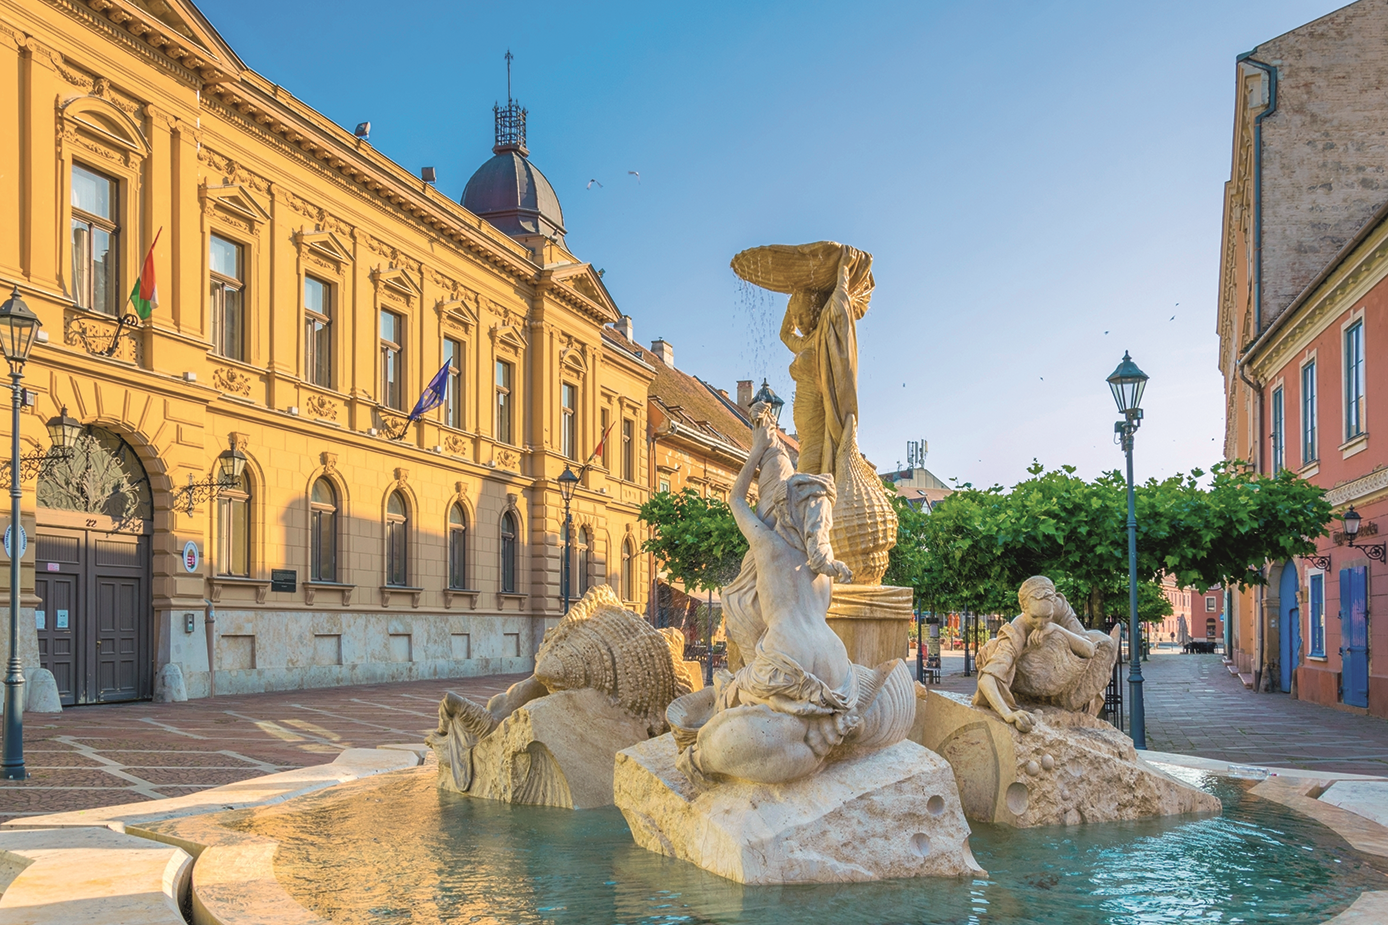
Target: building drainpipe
{"x": 1261, "y": 628}
{"x": 1271, "y": 72}
{"x": 209, "y": 625}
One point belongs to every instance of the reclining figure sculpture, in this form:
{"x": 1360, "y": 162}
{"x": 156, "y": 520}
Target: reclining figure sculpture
{"x": 1044, "y": 657}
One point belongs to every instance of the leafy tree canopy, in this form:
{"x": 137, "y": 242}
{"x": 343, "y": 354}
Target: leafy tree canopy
{"x": 981, "y": 544}
{"x": 694, "y": 538}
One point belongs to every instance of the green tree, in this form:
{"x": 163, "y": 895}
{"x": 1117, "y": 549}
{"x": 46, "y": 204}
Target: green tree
{"x": 908, "y": 560}
{"x": 695, "y": 539}
{"x": 980, "y": 544}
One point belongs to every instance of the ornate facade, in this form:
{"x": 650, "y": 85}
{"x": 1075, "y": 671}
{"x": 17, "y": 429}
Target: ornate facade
{"x": 1301, "y": 308}
{"x": 310, "y": 289}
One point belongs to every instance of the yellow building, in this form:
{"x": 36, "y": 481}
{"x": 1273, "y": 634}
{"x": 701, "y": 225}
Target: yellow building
{"x": 310, "y": 289}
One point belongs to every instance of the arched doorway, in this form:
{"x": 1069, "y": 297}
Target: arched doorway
{"x": 1288, "y": 624}
{"x": 92, "y": 572}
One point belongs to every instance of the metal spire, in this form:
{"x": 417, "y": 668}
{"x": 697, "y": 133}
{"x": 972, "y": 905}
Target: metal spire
{"x": 509, "y": 58}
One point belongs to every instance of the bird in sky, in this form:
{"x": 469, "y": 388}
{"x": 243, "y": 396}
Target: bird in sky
{"x": 636, "y": 174}
{"x": 590, "y": 184}
{"x": 1106, "y": 332}
{"x": 1173, "y": 317}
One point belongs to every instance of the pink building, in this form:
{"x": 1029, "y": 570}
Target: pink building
{"x": 1194, "y": 615}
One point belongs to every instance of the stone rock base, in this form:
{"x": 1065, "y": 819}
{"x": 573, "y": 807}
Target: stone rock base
{"x": 41, "y": 692}
{"x": 555, "y": 750}
{"x": 893, "y": 812}
{"x": 1071, "y": 768}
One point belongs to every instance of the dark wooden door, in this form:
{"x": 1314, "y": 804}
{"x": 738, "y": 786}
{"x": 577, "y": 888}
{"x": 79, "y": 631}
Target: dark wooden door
{"x": 98, "y": 621}
{"x": 58, "y": 583}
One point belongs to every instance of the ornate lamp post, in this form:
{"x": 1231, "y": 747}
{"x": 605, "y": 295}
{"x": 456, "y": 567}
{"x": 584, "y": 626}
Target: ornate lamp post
{"x": 1127, "y": 383}
{"x": 19, "y": 327}
{"x": 568, "y": 482}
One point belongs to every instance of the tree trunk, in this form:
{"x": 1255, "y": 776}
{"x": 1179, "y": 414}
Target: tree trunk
{"x": 1095, "y": 611}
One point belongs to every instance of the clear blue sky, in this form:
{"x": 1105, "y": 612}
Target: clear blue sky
{"x": 1027, "y": 175}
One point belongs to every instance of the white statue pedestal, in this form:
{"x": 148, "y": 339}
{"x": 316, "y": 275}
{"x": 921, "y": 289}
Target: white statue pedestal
{"x": 1070, "y": 768}
{"x": 892, "y": 812}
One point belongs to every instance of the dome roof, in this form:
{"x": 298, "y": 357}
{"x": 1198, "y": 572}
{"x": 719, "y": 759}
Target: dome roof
{"x": 512, "y": 194}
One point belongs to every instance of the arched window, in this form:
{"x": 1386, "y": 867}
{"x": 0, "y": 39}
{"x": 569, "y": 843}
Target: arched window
{"x": 628, "y": 570}
{"x": 583, "y": 557}
{"x": 508, "y": 553}
{"x": 457, "y": 547}
{"x": 322, "y": 564}
{"x": 397, "y": 529}
{"x": 234, "y": 530}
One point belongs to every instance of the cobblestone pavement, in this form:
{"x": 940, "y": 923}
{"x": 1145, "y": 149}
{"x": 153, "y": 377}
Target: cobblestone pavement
{"x": 121, "y": 753}
{"x": 104, "y": 755}
{"x": 1195, "y": 707}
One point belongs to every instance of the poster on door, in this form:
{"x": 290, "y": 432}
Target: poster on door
{"x": 40, "y": 619}
{"x": 62, "y": 619}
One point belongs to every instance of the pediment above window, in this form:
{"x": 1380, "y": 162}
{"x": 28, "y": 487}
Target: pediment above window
{"x": 325, "y": 246}
{"x": 237, "y": 201}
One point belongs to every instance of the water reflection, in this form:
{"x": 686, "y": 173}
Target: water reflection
{"x": 395, "y": 849}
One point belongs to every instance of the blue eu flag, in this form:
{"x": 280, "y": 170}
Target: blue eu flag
{"x": 433, "y": 392}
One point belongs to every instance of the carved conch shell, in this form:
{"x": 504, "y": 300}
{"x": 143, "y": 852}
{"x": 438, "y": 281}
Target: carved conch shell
{"x": 462, "y": 724}
{"x": 602, "y": 645}
{"x": 864, "y": 521}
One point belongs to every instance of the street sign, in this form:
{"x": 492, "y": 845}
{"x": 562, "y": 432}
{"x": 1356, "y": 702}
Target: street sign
{"x": 284, "y": 579}
{"x": 23, "y": 541}
{"x": 191, "y": 559}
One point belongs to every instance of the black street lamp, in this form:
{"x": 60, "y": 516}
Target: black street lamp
{"x": 1375, "y": 551}
{"x": 770, "y": 399}
{"x": 231, "y": 464}
{"x": 1127, "y": 383}
{"x": 19, "y": 328}
{"x": 568, "y": 483}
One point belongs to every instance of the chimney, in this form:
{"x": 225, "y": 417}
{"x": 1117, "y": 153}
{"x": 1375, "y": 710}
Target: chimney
{"x": 744, "y": 393}
{"x": 663, "y": 349}
{"x": 623, "y": 327}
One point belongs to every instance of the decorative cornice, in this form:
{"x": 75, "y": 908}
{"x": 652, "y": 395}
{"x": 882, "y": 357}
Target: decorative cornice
{"x": 1358, "y": 488}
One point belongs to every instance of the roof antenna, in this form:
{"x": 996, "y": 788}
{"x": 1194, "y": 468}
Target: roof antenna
{"x": 509, "y": 58}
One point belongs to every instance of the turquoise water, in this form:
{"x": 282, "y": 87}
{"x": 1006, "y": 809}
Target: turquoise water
{"x": 400, "y": 851}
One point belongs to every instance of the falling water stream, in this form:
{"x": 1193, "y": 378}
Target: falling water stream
{"x": 397, "y": 850}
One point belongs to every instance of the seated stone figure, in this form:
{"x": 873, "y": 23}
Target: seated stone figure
{"x": 1045, "y": 657}
{"x": 798, "y": 699}
{"x": 603, "y": 679}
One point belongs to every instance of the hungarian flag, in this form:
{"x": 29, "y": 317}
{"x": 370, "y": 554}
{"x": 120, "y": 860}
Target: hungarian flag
{"x": 145, "y": 295}
{"x": 597, "y": 450}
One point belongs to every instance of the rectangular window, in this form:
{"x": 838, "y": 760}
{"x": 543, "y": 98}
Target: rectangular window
{"x": 1308, "y": 413}
{"x": 228, "y": 299}
{"x": 1279, "y": 431}
{"x": 568, "y": 432}
{"x": 1315, "y": 598}
{"x": 1354, "y": 380}
{"x": 1209, "y": 604}
{"x": 665, "y": 485}
{"x": 629, "y": 451}
{"x": 453, "y": 395}
{"x": 503, "y": 401}
{"x": 392, "y": 361}
{"x": 233, "y": 532}
{"x": 95, "y": 257}
{"x": 606, "y": 419}
{"x": 318, "y": 332}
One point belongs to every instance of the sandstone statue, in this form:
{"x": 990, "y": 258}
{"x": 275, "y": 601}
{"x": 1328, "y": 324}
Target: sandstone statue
{"x": 798, "y": 698}
{"x": 1029, "y": 749}
{"x": 795, "y": 768}
{"x": 1045, "y": 657}
{"x": 603, "y": 679}
{"x": 830, "y": 285}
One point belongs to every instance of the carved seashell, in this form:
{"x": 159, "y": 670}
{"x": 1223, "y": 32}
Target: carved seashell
{"x": 887, "y": 705}
{"x": 687, "y": 715}
{"x": 602, "y": 645}
{"x": 864, "y": 529}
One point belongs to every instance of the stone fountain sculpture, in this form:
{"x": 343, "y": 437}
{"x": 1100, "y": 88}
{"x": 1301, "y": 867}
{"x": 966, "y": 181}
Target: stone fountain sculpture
{"x": 796, "y": 766}
{"x": 1029, "y": 749}
{"x": 603, "y": 679}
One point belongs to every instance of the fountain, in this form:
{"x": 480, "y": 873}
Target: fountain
{"x": 814, "y": 780}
